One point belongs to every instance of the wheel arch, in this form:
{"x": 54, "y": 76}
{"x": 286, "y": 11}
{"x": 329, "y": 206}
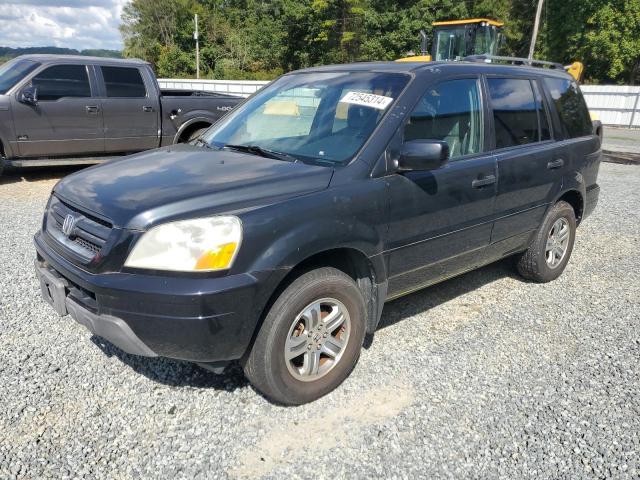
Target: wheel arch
{"x": 576, "y": 199}
{"x": 190, "y": 126}
{"x": 368, "y": 273}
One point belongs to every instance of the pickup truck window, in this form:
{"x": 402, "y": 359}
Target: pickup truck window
{"x": 14, "y": 71}
{"x": 316, "y": 117}
{"x": 123, "y": 82}
{"x": 449, "y": 111}
{"x": 514, "y": 111}
{"x": 61, "y": 81}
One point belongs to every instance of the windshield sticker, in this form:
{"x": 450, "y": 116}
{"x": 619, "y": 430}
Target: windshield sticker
{"x": 367, "y": 100}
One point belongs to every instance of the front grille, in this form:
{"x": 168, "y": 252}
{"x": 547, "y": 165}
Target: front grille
{"x": 88, "y": 235}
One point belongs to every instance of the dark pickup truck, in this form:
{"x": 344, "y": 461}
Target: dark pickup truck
{"x": 57, "y": 109}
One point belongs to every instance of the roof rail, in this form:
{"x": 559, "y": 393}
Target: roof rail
{"x": 512, "y": 60}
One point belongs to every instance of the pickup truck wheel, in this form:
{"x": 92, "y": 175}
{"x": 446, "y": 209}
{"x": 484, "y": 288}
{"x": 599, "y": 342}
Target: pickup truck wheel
{"x": 196, "y": 133}
{"x": 310, "y": 339}
{"x": 548, "y": 254}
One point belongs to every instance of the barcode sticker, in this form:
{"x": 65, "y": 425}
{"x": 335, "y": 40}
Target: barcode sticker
{"x": 367, "y": 100}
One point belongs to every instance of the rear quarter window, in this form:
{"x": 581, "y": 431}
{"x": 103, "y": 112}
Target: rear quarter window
{"x": 571, "y": 107}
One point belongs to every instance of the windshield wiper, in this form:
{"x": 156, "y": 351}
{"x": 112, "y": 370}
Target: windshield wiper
{"x": 263, "y": 152}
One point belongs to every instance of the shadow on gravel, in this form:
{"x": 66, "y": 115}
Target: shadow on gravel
{"x": 430, "y": 297}
{"x": 175, "y": 373}
{"x": 37, "y": 174}
{"x": 185, "y": 374}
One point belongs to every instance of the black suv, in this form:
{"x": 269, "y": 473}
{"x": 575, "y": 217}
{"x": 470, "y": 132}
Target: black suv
{"x": 277, "y": 236}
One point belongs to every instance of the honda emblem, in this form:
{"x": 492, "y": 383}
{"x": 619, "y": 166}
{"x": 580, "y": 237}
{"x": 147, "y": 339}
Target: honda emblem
{"x": 68, "y": 225}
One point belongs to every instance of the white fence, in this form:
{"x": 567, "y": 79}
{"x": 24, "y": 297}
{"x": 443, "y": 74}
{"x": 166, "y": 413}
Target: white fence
{"x": 614, "y": 105}
{"x": 242, "y": 88}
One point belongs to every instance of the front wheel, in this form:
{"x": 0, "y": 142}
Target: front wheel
{"x": 310, "y": 339}
{"x": 548, "y": 254}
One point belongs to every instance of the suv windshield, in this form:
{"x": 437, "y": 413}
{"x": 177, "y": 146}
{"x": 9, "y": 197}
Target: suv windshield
{"x": 322, "y": 118}
{"x": 14, "y": 71}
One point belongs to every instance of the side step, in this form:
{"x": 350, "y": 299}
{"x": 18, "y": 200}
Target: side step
{"x": 52, "y": 162}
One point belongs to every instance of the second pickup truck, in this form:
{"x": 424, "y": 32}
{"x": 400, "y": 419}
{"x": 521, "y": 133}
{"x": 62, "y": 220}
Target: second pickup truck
{"x": 58, "y": 109}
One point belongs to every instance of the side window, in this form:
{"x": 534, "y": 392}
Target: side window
{"x": 61, "y": 81}
{"x": 543, "y": 119}
{"x": 515, "y": 115}
{"x": 449, "y": 111}
{"x": 571, "y": 107}
{"x": 123, "y": 82}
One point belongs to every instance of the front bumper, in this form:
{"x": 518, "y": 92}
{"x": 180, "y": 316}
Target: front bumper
{"x": 194, "y": 318}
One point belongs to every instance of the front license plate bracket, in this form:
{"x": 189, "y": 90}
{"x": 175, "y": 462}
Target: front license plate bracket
{"x": 53, "y": 288}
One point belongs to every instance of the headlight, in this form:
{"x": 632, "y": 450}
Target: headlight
{"x": 202, "y": 244}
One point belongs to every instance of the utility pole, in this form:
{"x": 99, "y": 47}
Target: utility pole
{"x": 195, "y": 36}
{"x": 536, "y": 25}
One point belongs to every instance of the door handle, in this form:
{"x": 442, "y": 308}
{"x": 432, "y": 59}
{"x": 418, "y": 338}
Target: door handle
{"x": 554, "y": 164}
{"x": 92, "y": 109}
{"x": 146, "y": 108}
{"x": 484, "y": 181}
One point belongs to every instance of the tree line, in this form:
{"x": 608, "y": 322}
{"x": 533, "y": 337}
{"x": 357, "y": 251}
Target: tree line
{"x": 7, "y": 53}
{"x": 260, "y": 39}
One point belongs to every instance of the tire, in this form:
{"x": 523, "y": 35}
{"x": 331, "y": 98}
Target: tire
{"x": 534, "y": 264}
{"x": 289, "y": 381}
{"x": 196, "y": 133}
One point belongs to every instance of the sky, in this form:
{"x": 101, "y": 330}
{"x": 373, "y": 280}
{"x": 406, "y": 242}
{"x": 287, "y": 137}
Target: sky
{"x": 78, "y": 24}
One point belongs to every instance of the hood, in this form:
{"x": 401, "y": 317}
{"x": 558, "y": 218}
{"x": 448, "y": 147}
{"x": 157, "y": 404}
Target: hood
{"x": 184, "y": 181}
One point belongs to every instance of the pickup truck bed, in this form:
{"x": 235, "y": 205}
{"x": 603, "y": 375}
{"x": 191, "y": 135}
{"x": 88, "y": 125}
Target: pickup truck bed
{"x": 192, "y": 108}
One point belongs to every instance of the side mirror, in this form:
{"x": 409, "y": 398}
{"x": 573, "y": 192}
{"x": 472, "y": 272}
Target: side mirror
{"x": 423, "y": 155}
{"x": 29, "y": 95}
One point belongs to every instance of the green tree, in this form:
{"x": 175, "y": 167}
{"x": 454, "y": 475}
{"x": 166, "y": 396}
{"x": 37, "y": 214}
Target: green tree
{"x": 259, "y": 39}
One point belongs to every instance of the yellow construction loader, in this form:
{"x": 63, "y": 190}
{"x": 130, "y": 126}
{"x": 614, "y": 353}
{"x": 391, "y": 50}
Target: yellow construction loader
{"x": 459, "y": 39}
{"x": 480, "y": 39}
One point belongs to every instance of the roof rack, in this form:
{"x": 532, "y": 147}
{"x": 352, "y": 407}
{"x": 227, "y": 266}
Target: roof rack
{"x": 512, "y": 60}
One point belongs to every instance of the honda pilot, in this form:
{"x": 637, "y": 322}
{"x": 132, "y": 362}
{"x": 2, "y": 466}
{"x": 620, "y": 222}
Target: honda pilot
{"x": 276, "y": 237}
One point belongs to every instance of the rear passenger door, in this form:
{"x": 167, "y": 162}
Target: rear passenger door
{"x": 66, "y": 119}
{"x": 440, "y": 220}
{"x": 130, "y": 108}
{"x": 581, "y": 147}
{"x": 530, "y": 163}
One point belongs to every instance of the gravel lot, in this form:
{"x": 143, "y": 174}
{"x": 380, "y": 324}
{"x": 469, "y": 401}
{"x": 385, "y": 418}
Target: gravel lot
{"x": 483, "y": 376}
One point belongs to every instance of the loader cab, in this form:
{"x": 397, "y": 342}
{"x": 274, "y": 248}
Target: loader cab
{"x": 456, "y": 39}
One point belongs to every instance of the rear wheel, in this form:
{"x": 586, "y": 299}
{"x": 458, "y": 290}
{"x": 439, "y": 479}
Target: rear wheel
{"x": 310, "y": 339}
{"x": 196, "y": 133}
{"x": 549, "y": 253}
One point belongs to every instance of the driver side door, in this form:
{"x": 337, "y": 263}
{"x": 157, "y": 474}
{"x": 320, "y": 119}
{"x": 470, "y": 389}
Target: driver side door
{"x": 441, "y": 220}
{"x": 67, "y": 118}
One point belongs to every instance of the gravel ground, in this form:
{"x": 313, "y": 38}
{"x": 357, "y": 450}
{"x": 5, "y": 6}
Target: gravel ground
{"x": 482, "y": 376}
